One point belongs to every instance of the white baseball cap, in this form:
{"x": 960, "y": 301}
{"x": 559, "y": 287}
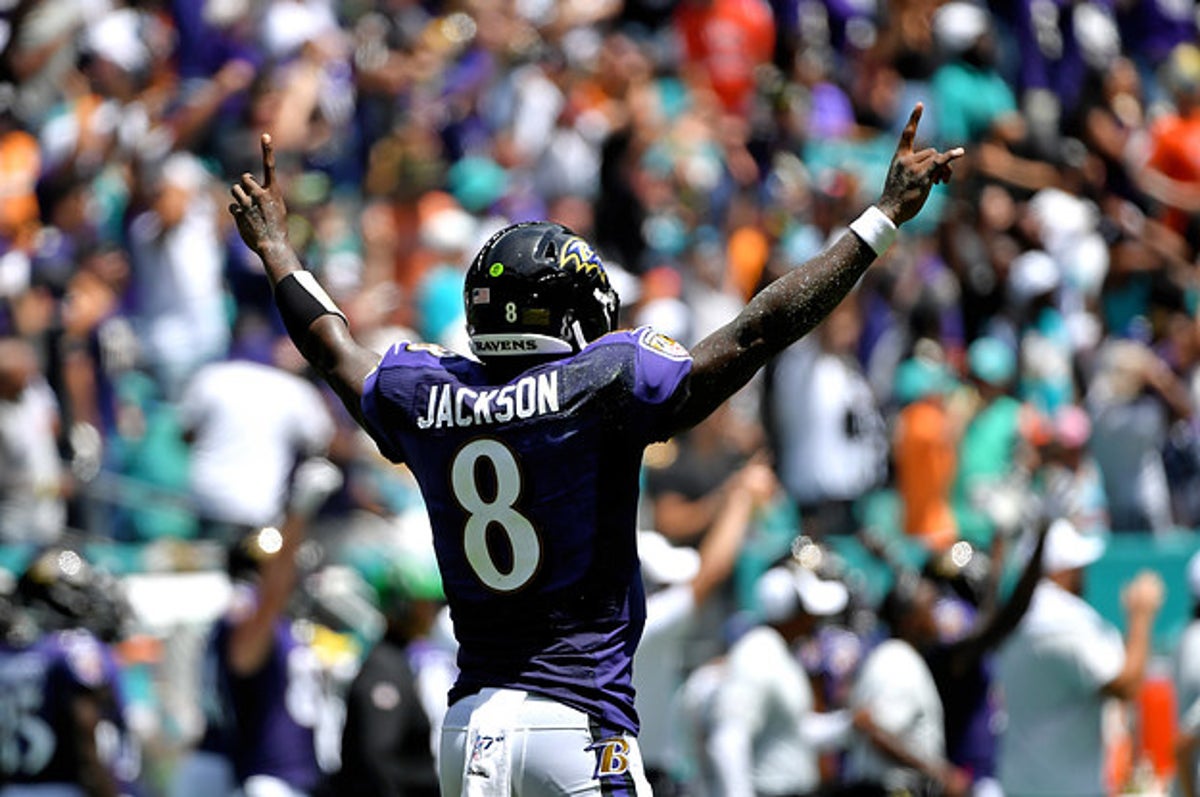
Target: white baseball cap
{"x": 781, "y": 591}
{"x": 1067, "y": 549}
{"x": 958, "y": 25}
{"x": 664, "y": 563}
{"x": 1032, "y": 274}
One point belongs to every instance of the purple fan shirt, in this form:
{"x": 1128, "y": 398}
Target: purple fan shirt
{"x": 532, "y": 489}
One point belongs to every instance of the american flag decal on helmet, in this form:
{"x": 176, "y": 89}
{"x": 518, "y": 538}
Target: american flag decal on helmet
{"x": 481, "y": 295}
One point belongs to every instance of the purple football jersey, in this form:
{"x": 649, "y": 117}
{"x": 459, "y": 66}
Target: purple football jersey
{"x": 532, "y": 489}
{"x": 270, "y": 715}
{"x": 37, "y": 686}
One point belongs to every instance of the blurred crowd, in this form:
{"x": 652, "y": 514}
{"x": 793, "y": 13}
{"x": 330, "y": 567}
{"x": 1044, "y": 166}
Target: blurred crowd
{"x": 1030, "y": 347}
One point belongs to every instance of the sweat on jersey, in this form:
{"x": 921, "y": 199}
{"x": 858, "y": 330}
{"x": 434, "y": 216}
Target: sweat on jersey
{"x": 531, "y": 486}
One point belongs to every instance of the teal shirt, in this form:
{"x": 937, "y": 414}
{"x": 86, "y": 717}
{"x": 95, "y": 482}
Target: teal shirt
{"x": 985, "y": 455}
{"x": 968, "y": 100}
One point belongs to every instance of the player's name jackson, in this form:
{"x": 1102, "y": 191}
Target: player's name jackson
{"x": 455, "y": 405}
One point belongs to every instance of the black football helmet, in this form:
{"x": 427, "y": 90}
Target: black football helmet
{"x": 537, "y": 288}
{"x": 60, "y": 589}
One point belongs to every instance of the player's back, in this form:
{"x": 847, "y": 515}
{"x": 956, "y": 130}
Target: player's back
{"x": 39, "y": 683}
{"x": 531, "y": 484}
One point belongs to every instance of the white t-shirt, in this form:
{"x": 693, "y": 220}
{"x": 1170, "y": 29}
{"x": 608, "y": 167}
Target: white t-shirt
{"x": 252, "y": 422}
{"x": 31, "y": 503}
{"x": 1187, "y": 680}
{"x": 759, "y": 719}
{"x": 658, "y": 672}
{"x": 181, "y": 315}
{"x": 1051, "y": 671}
{"x": 833, "y": 442}
{"x": 896, "y": 687}
{"x": 1187, "y": 677}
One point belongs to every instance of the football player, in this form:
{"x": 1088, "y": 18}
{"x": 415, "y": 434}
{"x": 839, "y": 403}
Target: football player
{"x": 528, "y": 457}
{"x": 265, "y": 694}
{"x": 62, "y": 725}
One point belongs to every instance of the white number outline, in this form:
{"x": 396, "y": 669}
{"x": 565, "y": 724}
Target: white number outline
{"x": 522, "y": 535}
{"x": 510, "y": 312}
{"x": 19, "y": 720}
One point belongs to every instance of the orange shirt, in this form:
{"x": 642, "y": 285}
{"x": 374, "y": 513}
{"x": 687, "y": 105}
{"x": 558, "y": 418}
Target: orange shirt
{"x": 20, "y": 164}
{"x": 1175, "y": 151}
{"x": 729, "y": 40}
{"x": 926, "y": 461}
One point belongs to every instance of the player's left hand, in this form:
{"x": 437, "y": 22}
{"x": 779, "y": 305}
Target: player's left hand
{"x": 259, "y": 210}
{"x": 912, "y": 174}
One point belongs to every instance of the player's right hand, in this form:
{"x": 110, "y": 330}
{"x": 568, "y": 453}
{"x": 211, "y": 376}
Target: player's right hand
{"x": 259, "y": 210}
{"x": 912, "y": 174}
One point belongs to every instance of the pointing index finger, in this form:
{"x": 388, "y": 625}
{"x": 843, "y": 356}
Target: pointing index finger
{"x": 910, "y": 129}
{"x": 268, "y": 156}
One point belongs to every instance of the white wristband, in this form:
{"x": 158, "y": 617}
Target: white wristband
{"x": 875, "y": 228}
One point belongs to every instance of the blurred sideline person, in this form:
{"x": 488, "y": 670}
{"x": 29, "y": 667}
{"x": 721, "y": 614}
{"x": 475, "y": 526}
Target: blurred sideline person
{"x": 1061, "y": 666}
{"x": 767, "y": 732}
{"x": 900, "y": 747}
{"x": 262, "y": 692}
{"x": 1187, "y": 689}
{"x": 962, "y": 663}
{"x": 679, "y": 581}
{"x": 970, "y": 625}
{"x": 58, "y": 690}
{"x": 395, "y": 704}
{"x": 528, "y": 457}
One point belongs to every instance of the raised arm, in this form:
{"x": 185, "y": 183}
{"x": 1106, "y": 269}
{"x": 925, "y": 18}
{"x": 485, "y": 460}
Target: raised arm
{"x": 790, "y": 307}
{"x": 313, "y": 321}
{"x": 969, "y": 650}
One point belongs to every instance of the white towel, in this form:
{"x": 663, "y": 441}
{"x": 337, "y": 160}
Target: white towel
{"x": 489, "y": 751}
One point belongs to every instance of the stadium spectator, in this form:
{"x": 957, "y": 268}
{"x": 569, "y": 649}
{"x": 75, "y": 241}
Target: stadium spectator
{"x": 1132, "y": 400}
{"x": 1171, "y": 173}
{"x": 1060, "y": 667}
{"x": 679, "y": 582}
{"x": 243, "y": 453}
{"x": 725, "y": 42}
{"x": 898, "y": 713}
{"x": 827, "y": 429}
{"x": 1068, "y": 479}
{"x": 766, "y": 721}
{"x": 177, "y": 275}
{"x": 993, "y": 448}
{"x": 618, "y": 394}
{"x": 33, "y": 481}
{"x": 925, "y": 444}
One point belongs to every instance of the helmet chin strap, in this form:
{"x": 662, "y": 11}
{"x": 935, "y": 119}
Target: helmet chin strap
{"x": 577, "y": 331}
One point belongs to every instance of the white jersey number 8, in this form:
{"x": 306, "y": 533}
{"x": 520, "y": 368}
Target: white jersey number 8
{"x": 522, "y": 536}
